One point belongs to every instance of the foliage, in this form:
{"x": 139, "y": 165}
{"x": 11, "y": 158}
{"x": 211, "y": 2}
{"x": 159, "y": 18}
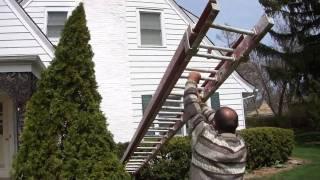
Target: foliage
{"x": 267, "y": 145}
{"x": 310, "y": 170}
{"x": 172, "y": 163}
{"x": 65, "y": 134}
{"x": 308, "y": 137}
{"x": 306, "y": 114}
{"x": 293, "y": 58}
{"x": 121, "y": 148}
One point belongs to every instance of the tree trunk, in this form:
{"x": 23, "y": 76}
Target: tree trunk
{"x": 281, "y": 99}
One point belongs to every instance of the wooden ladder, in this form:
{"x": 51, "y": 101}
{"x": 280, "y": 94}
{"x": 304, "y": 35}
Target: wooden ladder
{"x": 162, "y": 118}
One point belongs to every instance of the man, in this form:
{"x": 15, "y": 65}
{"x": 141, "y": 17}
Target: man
{"x": 217, "y": 152}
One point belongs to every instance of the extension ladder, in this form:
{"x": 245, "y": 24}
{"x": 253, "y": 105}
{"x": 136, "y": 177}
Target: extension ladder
{"x": 162, "y": 118}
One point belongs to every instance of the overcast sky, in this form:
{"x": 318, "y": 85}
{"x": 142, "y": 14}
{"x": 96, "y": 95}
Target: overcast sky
{"x": 239, "y": 13}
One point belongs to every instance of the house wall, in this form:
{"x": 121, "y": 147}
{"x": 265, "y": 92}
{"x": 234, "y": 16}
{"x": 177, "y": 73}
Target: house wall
{"x": 106, "y": 22}
{"x": 15, "y": 38}
{"x": 125, "y": 71}
{"x": 147, "y": 65}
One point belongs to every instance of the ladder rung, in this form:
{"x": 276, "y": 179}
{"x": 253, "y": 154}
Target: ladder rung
{"x": 174, "y": 101}
{"x": 183, "y": 87}
{"x": 170, "y": 113}
{"x": 217, "y": 48}
{"x": 143, "y": 153}
{"x": 212, "y": 56}
{"x": 146, "y": 148}
{"x": 232, "y": 29}
{"x": 157, "y": 130}
{"x": 168, "y": 119}
{"x": 172, "y": 108}
{"x": 202, "y": 78}
{"x": 139, "y": 157}
{"x": 153, "y": 137}
{"x": 150, "y": 142}
{"x": 163, "y": 122}
{"x": 136, "y": 160}
{"x": 135, "y": 163}
{"x": 201, "y": 70}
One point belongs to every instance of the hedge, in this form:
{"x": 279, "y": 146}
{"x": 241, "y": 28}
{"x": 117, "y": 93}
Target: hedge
{"x": 267, "y": 146}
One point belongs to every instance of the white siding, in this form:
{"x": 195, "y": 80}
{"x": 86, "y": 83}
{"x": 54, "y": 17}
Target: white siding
{"x": 147, "y": 65}
{"x": 125, "y": 71}
{"x": 37, "y": 10}
{"x": 15, "y": 38}
{"x": 106, "y": 22}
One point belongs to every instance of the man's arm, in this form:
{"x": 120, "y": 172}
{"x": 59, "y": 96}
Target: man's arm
{"x": 192, "y": 109}
{"x": 208, "y": 113}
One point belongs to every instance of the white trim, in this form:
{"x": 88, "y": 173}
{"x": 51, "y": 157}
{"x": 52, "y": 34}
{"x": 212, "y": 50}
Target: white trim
{"x": 22, "y": 64}
{"x": 32, "y": 27}
{"x": 8, "y": 132}
{"x": 54, "y": 9}
{"x": 25, "y": 3}
{"x": 162, "y": 24}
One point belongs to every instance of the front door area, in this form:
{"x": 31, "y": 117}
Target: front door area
{"x": 6, "y": 135}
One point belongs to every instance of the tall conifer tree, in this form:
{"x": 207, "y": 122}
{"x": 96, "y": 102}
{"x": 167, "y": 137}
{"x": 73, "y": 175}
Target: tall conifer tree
{"x": 65, "y": 134}
{"x": 295, "y": 54}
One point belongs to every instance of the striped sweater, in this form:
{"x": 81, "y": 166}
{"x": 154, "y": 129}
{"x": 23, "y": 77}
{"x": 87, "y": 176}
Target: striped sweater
{"x": 214, "y": 155}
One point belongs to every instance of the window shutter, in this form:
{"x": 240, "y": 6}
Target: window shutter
{"x": 55, "y": 23}
{"x": 215, "y": 101}
{"x": 145, "y": 101}
{"x": 150, "y": 28}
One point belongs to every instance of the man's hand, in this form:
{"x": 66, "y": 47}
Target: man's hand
{"x": 194, "y": 76}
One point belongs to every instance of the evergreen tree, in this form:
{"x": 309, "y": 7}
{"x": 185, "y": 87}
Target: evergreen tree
{"x": 65, "y": 134}
{"x": 295, "y": 56}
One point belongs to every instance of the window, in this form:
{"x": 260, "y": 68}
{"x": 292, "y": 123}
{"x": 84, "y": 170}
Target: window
{"x": 215, "y": 101}
{"x": 150, "y": 29}
{"x": 55, "y": 23}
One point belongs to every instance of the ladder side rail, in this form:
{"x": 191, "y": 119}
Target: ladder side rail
{"x": 243, "y": 46}
{"x": 176, "y": 67}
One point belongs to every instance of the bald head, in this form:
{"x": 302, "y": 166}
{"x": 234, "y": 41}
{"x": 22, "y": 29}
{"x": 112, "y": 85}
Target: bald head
{"x": 226, "y": 120}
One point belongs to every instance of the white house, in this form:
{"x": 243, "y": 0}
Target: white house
{"x": 133, "y": 42}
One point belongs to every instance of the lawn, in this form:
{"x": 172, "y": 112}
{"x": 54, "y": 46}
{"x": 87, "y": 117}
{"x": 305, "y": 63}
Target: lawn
{"x": 310, "y": 171}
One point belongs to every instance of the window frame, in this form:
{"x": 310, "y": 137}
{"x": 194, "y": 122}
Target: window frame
{"x": 54, "y": 9}
{"x": 163, "y": 38}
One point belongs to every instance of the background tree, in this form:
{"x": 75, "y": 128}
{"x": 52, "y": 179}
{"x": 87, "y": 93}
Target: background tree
{"x": 293, "y": 59}
{"x": 65, "y": 134}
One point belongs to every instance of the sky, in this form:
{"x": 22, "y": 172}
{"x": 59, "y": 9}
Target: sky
{"x": 238, "y": 13}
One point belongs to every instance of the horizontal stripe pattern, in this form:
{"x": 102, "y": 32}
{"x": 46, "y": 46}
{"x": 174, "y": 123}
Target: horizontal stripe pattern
{"x": 217, "y": 155}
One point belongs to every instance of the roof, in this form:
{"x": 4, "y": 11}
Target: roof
{"x": 192, "y": 19}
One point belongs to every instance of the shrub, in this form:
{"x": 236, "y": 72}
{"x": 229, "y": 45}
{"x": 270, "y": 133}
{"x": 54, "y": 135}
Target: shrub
{"x": 172, "y": 163}
{"x": 267, "y": 145}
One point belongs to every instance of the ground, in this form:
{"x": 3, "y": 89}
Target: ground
{"x": 308, "y": 155}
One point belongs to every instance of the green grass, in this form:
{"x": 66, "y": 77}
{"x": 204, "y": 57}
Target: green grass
{"x": 310, "y": 171}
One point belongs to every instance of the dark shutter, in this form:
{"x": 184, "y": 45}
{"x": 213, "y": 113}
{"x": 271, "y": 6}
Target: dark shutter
{"x": 145, "y": 101}
{"x": 215, "y": 101}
